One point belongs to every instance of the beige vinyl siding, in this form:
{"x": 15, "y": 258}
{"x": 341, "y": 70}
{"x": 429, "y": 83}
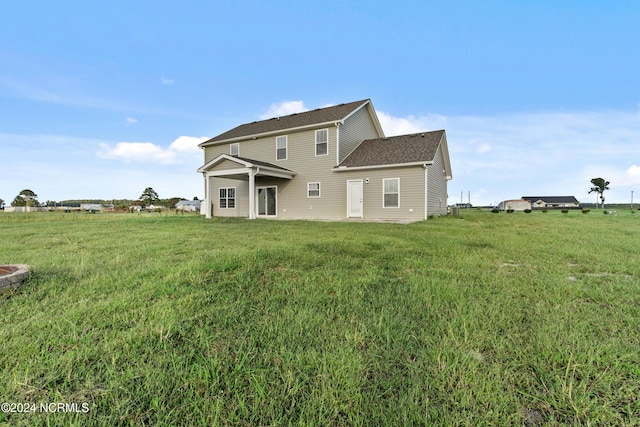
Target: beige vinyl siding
{"x": 356, "y": 129}
{"x": 242, "y": 197}
{"x": 437, "y": 182}
{"x": 228, "y": 165}
{"x": 214, "y": 151}
{"x": 292, "y": 194}
{"x": 411, "y": 192}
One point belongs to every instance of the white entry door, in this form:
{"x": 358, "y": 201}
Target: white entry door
{"x": 354, "y": 199}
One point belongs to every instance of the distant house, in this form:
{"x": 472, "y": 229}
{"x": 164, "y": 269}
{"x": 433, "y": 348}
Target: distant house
{"x": 188, "y": 205}
{"x": 92, "y": 207}
{"x": 553, "y": 202}
{"x": 332, "y": 163}
{"x": 516, "y": 205}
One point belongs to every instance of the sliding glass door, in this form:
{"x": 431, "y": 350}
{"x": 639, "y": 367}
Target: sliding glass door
{"x": 267, "y": 201}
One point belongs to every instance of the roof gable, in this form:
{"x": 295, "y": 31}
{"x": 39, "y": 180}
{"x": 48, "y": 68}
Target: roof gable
{"x": 293, "y": 121}
{"x": 403, "y": 149}
{"x": 242, "y": 162}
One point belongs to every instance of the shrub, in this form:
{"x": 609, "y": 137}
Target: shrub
{"x": 510, "y": 211}
{"x": 545, "y": 210}
{"x": 527, "y": 211}
{"x": 586, "y": 211}
{"x": 605, "y": 212}
{"x": 495, "y": 210}
{"x": 565, "y": 211}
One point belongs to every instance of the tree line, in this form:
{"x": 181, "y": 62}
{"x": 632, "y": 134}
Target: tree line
{"x": 148, "y": 197}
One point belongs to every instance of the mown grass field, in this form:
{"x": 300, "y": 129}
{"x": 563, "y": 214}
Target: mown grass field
{"x": 482, "y": 319}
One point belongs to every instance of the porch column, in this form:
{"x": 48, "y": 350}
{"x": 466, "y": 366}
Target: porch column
{"x": 252, "y": 194}
{"x": 207, "y": 197}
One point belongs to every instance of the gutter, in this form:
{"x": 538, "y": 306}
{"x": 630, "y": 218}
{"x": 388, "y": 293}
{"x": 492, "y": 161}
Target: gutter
{"x": 393, "y": 165}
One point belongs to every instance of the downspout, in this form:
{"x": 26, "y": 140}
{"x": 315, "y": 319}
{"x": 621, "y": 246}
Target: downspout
{"x": 426, "y": 191}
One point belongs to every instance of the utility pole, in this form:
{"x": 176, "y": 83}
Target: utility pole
{"x": 631, "y": 199}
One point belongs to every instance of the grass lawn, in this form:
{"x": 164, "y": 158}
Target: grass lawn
{"x": 482, "y": 319}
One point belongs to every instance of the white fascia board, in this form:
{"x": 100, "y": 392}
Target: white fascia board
{"x": 445, "y": 155}
{"x": 243, "y": 171}
{"x": 277, "y": 173}
{"x": 220, "y": 158}
{"x": 275, "y": 132}
{"x": 394, "y": 165}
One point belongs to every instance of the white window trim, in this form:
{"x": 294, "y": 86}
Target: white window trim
{"x": 237, "y": 145}
{"x": 286, "y": 147}
{"x": 326, "y": 142}
{"x": 309, "y": 196}
{"x": 235, "y": 198}
{"x": 383, "y": 193}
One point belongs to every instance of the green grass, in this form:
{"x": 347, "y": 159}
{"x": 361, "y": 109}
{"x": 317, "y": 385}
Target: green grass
{"x": 483, "y": 319}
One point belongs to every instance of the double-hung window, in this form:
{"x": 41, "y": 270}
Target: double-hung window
{"x": 322, "y": 142}
{"x": 227, "y": 198}
{"x": 281, "y": 148}
{"x": 391, "y": 193}
{"x": 313, "y": 189}
{"x": 234, "y": 149}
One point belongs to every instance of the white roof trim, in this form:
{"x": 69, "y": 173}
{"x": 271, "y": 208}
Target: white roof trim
{"x": 393, "y": 165}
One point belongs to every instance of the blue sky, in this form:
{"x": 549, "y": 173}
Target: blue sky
{"x": 104, "y": 100}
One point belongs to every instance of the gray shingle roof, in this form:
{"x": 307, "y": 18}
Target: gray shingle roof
{"x": 413, "y": 148}
{"x": 320, "y": 115}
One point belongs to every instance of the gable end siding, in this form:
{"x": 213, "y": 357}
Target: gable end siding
{"x": 356, "y": 129}
{"x": 437, "y": 186}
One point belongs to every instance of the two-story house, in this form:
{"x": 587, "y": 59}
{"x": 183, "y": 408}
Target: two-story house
{"x": 331, "y": 163}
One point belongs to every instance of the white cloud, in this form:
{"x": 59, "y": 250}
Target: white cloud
{"x": 166, "y": 81}
{"x": 131, "y": 120}
{"x": 137, "y": 151}
{"x": 147, "y": 152}
{"x": 405, "y": 125}
{"x": 187, "y": 144}
{"x": 284, "y": 109}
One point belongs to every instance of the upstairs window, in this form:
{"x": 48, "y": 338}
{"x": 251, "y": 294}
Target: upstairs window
{"x": 227, "y": 198}
{"x": 322, "y": 142}
{"x": 234, "y": 149}
{"x": 281, "y": 148}
{"x": 391, "y": 193}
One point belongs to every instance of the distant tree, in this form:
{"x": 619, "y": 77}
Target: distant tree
{"x": 171, "y": 203}
{"x": 599, "y": 186}
{"x": 149, "y": 196}
{"x": 26, "y": 198}
{"x": 195, "y": 198}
